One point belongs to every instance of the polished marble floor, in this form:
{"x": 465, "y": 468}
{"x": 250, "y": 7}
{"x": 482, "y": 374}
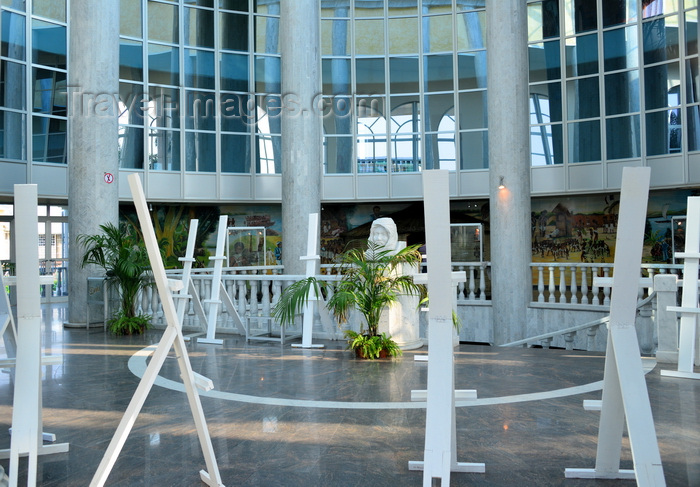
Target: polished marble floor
{"x": 283, "y": 416}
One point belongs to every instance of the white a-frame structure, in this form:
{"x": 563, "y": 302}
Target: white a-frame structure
{"x": 689, "y": 310}
{"x": 625, "y": 395}
{"x": 440, "y": 453}
{"x": 172, "y": 337}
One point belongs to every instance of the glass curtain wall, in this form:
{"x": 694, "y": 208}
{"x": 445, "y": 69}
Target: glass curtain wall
{"x": 403, "y": 83}
{"x": 390, "y": 80}
{"x": 619, "y": 94}
{"x": 33, "y": 81}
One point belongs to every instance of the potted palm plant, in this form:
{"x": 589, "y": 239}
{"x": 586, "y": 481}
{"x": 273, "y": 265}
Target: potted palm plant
{"x": 123, "y": 257}
{"x": 370, "y": 281}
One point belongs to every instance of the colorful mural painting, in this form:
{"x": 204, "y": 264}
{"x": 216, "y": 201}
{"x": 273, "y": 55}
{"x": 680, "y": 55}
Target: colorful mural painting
{"x": 564, "y": 229}
{"x": 584, "y": 228}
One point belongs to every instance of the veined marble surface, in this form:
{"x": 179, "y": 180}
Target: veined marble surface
{"x": 283, "y": 416}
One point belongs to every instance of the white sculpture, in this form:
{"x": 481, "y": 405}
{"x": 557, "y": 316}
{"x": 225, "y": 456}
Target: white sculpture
{"x": 401, "y": 320}
{"x": 383, "y": 235}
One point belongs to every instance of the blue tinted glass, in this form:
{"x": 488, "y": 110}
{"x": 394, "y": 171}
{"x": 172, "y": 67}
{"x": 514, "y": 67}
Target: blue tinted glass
{"x": 49, "y": 140}
{"x": 622, "y": 92}
{"x": 622, "y": 137}
{"x": 235, "y": 153}
{"x": 199, "y": 69}
{"x": 163, "y": 64}
{"x": 49, "y": 92}
{"x": 13, "y": 35}
{"x": 12, "y": 89}
{"x": 620, "y": 48}
{"x": 12, "y": 126}
{"x": 234, "y": 72}
{"x": 48, "y": 44}
{"x": 130, "y": 60}
{"x": 544, "y": 61}
{"x": 267, "y": 74}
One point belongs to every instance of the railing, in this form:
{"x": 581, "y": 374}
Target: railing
{"x": 256, "y": 290}
{"x": 591, "y": 328}
{"x": 568, "y": 283}
{"x": 58, "y": 268}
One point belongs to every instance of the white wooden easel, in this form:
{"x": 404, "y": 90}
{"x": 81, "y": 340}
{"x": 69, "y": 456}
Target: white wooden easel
{"x": 172, "y": 337}
{"x": 188, "y": 292}
{"x": 312, "y": 260}
{"x": 214, "y": 300}
{"x": 440, "y": 454}
{"x": 625, "y": 395}
{"x": 689, "y": 302}
{"x": 27, "y": 436}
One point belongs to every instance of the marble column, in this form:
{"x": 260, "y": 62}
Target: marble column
{"x": 509, "y": 159}
{"x": 301, "y": 126}
{"x": 93, "y": 164}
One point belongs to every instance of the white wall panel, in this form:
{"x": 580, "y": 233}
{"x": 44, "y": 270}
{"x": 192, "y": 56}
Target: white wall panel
{"x": 268, "y": 188}
{"x": 585, "y": 177}
{"x": 548, "y": 179}
{"x": 407, "y": 185}
{"x": 236, "y": 187}
{"x": 12, "y": 173}
{"x": 666, "y": 171}
{"x": 337, "y": 187}
{"x": 200, "y": 187}
{"x": 52, "y": 180}
{"x": 614, "y": 172}
{"x": 373, "y": 186}
{"x": 474, "y": 183}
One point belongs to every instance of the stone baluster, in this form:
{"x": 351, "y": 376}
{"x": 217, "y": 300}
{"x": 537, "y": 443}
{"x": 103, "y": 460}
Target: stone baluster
{"x": 590, "y": 337}
{"x": 569, "y": 340}
{"x": 552, "y": 297}
{"x": 265, "y": 300}
{"x": 142, "y": 300}
{"x": 253, "y": 304}
{"x": 157, "y": 309}
{"x": 562, "y": 284}
{"x": 231, "y": 289}
{"x": 241, "y": 298}
{"x": 606, "y": 289}
{"x": 460, "y": 286}
{"x": 472, "y": 282}
{"x": 482, "y": 283}
{"x": 574, "y": 289}
{"x": 546, "y": 342}
{"x": 594, "y": 288}
{"x": 651, "y": 272}
{"x": 584, "y": 285}
{"x": 276, "y": 291}
{"x": 645, "y": 329}
{"x": 540, "y": 284}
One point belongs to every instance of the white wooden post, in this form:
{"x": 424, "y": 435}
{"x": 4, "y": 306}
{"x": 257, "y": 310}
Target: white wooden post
{"x": 27, "y": 436}
{"x": 214, "y": 300}
{"x": 689, "y": 302}
{"x": 172, "y": 337}
{"x": 440, "y": 454}
{"x": 625, "y": 393}
{"x": 312, "y": 260}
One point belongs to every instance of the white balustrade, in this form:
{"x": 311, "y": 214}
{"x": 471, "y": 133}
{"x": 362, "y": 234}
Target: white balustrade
{"x": 256, "y": 292}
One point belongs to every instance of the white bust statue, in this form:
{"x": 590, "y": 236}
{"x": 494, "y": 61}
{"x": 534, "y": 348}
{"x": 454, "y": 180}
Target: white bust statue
{"x": 383, "y": 235}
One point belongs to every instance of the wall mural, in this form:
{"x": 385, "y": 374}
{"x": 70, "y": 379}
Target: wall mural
{"x": 564, "y": 229}
{"x": 584, "y": 228}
